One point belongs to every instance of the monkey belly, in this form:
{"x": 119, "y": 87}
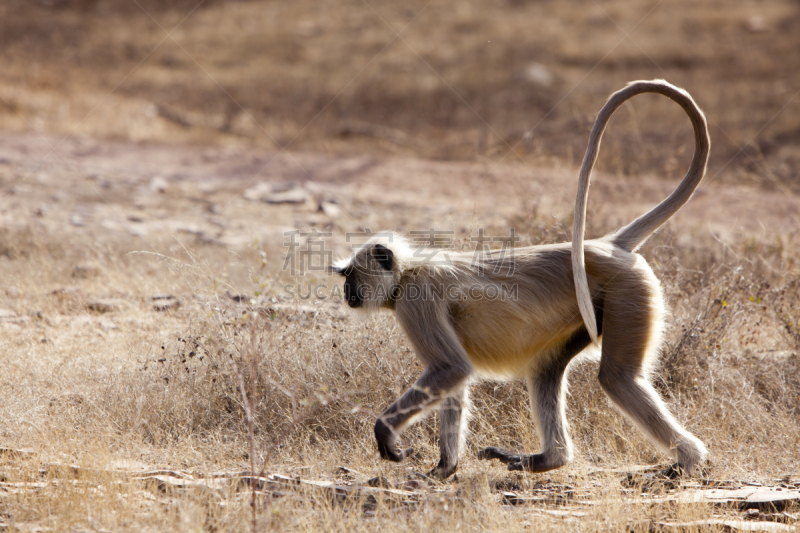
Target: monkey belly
{"x": 505, "y": 348}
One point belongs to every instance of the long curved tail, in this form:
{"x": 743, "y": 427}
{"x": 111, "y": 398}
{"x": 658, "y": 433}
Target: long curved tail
{"x": 634, "y": 234}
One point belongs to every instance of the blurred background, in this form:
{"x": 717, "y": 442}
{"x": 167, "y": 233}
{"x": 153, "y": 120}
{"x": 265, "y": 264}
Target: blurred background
{"x": 445, "y": 79}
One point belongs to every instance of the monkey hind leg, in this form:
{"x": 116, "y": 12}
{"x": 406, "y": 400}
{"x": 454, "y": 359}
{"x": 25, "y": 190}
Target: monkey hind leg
{"x": 637, "y": 399}
{"x": 547, "y": 385}
{"x": 631, "y": 335}
{"x": 453, "y": 417}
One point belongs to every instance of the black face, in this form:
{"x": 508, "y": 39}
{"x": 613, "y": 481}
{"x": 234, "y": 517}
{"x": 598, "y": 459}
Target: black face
{"x": 378, "y": 259}
{"x": 351, "y": 289}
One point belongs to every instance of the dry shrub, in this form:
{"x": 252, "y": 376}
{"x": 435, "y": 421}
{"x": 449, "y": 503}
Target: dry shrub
{"x": 309, "y": 379}
{"x": 316, "y": 381}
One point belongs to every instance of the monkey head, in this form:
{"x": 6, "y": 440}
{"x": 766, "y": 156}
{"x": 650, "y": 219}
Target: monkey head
{"x": 372, "y": 274}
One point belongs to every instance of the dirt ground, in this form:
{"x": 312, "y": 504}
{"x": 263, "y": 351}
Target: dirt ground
{"x": 119, "y": 257}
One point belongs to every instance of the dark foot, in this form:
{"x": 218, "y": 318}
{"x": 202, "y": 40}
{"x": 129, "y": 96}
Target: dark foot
{"x": 442, "y": 471}
{"x": 505, "y": 457}
{"x": 391, "y": 454}
{"x": 673, "y": 472}
{"x": 385, "y": 437}
{"x": 537, "y": 462}
{"x": 676, "y": 471}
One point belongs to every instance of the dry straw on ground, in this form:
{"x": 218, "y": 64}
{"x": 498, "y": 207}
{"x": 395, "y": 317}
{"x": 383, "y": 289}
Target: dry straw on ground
{"x": 131, "y": 417}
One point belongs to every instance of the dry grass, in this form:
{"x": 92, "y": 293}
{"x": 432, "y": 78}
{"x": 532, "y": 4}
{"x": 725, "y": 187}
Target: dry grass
{"x": 121, "y": 393}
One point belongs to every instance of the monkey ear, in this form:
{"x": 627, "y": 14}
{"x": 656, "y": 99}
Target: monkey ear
{"x": 383, "y": 256}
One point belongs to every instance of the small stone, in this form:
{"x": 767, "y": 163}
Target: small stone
{"x": 164, "y": 302}
{"x": 756, "y": 24}
{"x": 537, "y": 74}
{"x": 12, "y": 292}
{"x": 238, "y": 298}
{"x": 150, "y": 110}
{"x": 85, "y": 271}
{"x": 380, "y": 482}
{"x": 192, "y": 229}
{"x": 104, "y": 305}
{"x": 330, "y": 209}
{"x": 107, "y": 325}
{"x": 413, "y": 484}
{"x": 277, "y": 194}
{"x": 255, "y": 192}
{"x": 293, "y": 196}
{"x": 158, "y": 184}
{"x": 66, "y": 291}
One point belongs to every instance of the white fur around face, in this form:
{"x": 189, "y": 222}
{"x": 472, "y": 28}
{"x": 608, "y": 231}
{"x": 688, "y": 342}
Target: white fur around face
{"x": 341, "y": 264}
{"x": 397, "y": 243}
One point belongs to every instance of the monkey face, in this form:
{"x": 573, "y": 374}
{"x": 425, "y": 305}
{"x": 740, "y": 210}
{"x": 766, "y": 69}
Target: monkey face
{"x": 351, "y": 290}
{"x": 369, "y": 277}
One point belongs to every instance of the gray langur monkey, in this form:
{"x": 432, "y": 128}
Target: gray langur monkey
{"x": 565, "y": 297}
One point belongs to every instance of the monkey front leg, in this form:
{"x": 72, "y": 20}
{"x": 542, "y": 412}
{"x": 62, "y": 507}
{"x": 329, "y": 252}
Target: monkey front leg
{"x": 432, "y": 387}
{"x": 453, "y": 415}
